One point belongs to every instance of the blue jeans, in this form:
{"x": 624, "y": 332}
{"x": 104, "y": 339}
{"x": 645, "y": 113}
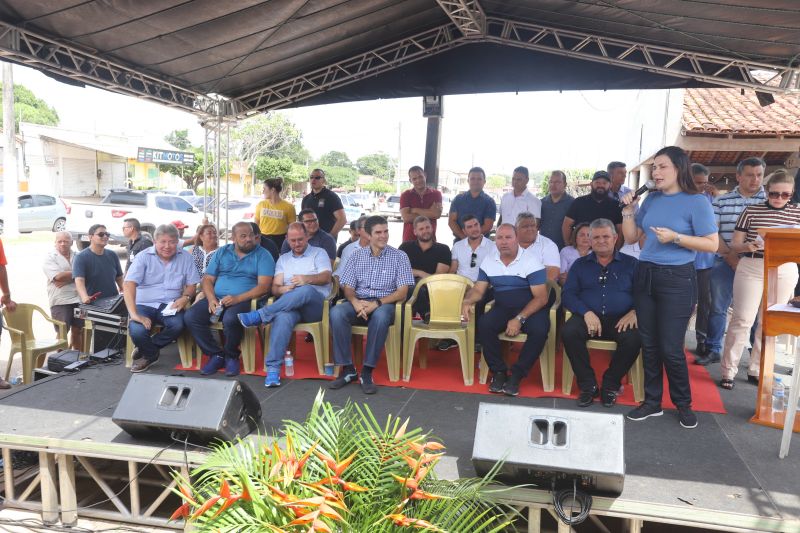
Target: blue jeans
{"x": 664, "y": 296}
{"x": 149, "y": 346}
{"x": 197, "y": 319}
{"x": 343, "y": 317}
{"x": 721, "y": 296}
{"x": 303, "y": 304}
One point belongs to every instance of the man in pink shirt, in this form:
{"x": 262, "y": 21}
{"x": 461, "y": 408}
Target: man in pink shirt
{"x": 419, "y": 200}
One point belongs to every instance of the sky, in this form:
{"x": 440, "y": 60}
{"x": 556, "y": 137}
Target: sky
{"x": 542, "y": 130}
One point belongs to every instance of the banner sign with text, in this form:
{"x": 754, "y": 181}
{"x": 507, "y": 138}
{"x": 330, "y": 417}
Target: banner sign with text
{"x": 165, "y": 157}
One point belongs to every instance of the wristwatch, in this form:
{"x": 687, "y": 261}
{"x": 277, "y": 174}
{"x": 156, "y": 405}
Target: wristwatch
{"x": 521, "y": 319}
{"x": 677, "y": 239}
{"x": 380, "y": 303}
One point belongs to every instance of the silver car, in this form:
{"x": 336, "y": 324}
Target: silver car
{"x": 39, "y": 212}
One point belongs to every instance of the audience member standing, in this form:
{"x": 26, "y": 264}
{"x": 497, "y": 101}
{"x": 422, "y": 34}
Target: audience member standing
{"x": 473, "y": 202}
{"x": 137, "y": 241}
{"x": 326, "y": 204}
{"x": 97, "y": 270}
{"x": 273, "y": 213}
{"x": 519, "y": 199}
{"x": 592, "y": 206}
{"x": 702, "y": 264}
{"x": 554, "y": 208}
{"x": 727, "y": 208}
{"x": 677, "y": 222}
{"x": 748, "y": 282}
{"x": 61, "y": 292}
{"x": 5, "y": 300}
{"x": 419, "y": 200}
{"x": 618, "y": 173}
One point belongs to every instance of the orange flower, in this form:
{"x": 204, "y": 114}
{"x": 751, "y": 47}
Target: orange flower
{"x": 404, "y": 521}
{"x": 183, "y": 510}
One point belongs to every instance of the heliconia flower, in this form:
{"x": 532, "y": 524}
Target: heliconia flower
{"x": 402, "y": 430}
{"x": 408, "y": 482}
{"x": 183, "y": 510}
{"x": 422, "y": 495}
{"x": 404, "y": 521}
{"x": 337, "y": 468}
{"x": 206, "y": 506}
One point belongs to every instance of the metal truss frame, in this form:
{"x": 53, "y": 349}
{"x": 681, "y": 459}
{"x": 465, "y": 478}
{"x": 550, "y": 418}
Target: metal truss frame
{"x": 342, "y": 73}
{"x": 468, "y": 15}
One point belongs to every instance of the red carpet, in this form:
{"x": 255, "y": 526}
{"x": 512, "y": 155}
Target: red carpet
{"x": 443, "y": 373}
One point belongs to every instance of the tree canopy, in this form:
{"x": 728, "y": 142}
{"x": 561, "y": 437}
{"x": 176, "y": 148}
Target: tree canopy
{"x": 380, "y": 164}
{"x": 335, "y": 159}
{"x": 29, "y": 108}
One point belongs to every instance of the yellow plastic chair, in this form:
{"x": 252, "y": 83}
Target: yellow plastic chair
{"x": 393, "y": 342}
{"x": 635, "y": 374}
{"x": 548, "y": 356}
{"x": 446, "y": 293}
{"x": 185, "y": 347}
{"x": 320, "y": 331}
{"x": 19, "y": 325}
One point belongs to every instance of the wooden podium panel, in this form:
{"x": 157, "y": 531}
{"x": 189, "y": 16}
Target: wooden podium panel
{"x": 781, "y": 245}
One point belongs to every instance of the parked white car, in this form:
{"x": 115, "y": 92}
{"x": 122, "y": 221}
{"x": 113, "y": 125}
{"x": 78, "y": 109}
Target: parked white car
{"x": 39, "y": 212}
{"x": 391, "y": 207}
{"x": 366, "y": 200}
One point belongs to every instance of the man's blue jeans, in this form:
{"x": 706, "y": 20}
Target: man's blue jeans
{"x": 343, "y": 317}
{"x": 149, "y": 346}
{"x": 303, "y": 304}
{"x": 198, "y": 320}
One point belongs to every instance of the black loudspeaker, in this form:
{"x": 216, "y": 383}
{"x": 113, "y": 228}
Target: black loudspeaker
{"x": 200, "y": 409}
{"x": 545, "y": 446}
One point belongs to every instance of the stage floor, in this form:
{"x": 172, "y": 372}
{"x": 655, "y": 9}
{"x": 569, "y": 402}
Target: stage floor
{"x": 725, "y": 464}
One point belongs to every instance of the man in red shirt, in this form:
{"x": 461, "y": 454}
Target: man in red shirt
{"x": 5, "y": 300}
{"x": 419, "y": 200}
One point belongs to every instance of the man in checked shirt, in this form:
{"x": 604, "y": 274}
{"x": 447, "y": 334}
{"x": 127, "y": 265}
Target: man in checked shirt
{"x": 373, "y": 280}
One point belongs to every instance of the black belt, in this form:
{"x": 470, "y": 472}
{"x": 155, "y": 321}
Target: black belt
{"x": 755, "y": 255}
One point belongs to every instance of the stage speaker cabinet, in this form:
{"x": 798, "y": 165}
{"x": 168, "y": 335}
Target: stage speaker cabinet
{"x": 539, "y": 446}
{"x": 202, "y": 409}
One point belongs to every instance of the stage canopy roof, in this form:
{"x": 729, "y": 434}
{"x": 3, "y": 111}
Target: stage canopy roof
{"x": 241, "y": 57}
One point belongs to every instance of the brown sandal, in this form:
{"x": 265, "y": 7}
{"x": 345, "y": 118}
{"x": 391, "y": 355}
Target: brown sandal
{"x": 726, "y": 384}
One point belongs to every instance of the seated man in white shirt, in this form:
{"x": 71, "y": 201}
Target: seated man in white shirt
{"x": 545, "y": 250}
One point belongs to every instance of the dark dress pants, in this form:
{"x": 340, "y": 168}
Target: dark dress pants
{"x": 664, "y": 296}
{"x": 575, "y": 334}
{"x": 495, "y": 321}
{"x": 703, "y": 304}
{"x": 198, "y": 321}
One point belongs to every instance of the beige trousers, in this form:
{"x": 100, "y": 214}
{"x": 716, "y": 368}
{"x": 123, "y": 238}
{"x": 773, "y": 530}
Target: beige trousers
{"x": 748, "y": 288}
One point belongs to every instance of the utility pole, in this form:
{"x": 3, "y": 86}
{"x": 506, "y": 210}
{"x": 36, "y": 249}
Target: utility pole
{"x": 10, "y": 178}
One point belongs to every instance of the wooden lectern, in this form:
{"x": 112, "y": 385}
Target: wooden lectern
{"x": 781, "y": 245}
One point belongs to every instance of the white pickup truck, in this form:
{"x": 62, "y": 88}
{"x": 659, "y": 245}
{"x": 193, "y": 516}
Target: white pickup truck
{"x": 150, "y": 208}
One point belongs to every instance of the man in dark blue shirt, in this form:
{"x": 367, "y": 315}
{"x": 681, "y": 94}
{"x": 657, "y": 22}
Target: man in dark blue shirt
{"x": 599, "y": 293}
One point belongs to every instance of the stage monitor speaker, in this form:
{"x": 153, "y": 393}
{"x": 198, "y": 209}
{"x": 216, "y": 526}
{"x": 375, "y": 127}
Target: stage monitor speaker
{"x": 539, "y": 446}
{"x": 200, "y": 409}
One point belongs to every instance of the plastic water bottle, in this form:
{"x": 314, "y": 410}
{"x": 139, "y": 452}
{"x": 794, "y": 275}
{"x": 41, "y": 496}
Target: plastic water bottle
{"x": 217, "y": 314}
{"x": 288, "y": 364}
{"x": 16, "y": 380}
{"x": 778, "y": 394}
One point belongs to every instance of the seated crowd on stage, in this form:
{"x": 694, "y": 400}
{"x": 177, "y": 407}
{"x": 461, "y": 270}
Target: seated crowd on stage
{"x": 629, "y": 271}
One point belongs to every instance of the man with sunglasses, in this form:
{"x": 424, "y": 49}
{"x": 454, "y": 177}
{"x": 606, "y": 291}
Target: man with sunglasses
{"x": 316, "y": 236}
{"x": 97, "y": 269}
{"x": 599, "y": 293}
{"x": 326, "y": 204}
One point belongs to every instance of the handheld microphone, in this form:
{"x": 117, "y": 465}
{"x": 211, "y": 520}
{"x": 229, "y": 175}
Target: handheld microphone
{"x": 649, "y": 186}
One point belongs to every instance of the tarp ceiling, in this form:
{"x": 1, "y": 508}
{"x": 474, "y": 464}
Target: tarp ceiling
{"x": 235, "y": 47}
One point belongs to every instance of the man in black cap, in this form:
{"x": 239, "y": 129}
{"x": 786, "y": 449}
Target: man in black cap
{"x": 597, "y": 204}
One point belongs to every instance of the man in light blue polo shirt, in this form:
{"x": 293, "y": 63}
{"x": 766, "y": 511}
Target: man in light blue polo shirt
{"x": 520, "y": 306}
{"x": 238, "y": 273}
{"x": 302, "y": 282}
{"x": 473, "y": 202}
{"x": 157, "y": 289}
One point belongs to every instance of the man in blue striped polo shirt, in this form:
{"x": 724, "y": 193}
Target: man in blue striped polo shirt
{"x": 727, "y": 208}
{"x": 520, "y": 306}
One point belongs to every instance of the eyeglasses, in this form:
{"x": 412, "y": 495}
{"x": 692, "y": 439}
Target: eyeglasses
{"x": 103, "y": 234}
{"x": 603, "y": 278}
{"x": 309, "y": 220}
{"x": 782, "y": 195}
{"x": 315, "y": 177}
{"x": 473, "y": 260}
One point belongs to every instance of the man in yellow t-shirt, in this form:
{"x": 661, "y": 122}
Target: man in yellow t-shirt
{"x": 274, "y": 214}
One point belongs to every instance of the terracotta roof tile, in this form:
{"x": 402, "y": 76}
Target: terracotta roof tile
{"x": 728, "y": 111}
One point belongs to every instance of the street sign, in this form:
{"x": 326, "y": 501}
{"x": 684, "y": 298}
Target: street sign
{"x": 165, "y": 157}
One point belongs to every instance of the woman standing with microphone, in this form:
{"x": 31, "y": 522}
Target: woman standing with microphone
{"x": 677, "y": 221}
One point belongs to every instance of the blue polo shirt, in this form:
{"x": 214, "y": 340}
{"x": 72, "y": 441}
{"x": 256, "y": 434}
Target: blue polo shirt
{"x": 237, "y": 275}
{"x": 512, "y": 284}
{"x": 312, "y": 261}
{"x": 604, "y": 291}
{"x": 482, "y": 206}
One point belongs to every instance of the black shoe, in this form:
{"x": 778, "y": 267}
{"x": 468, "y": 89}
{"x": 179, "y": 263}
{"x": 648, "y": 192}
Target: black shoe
{"x": 687, "y": 417}
{"x": 752, "y": 379}
{"x": 445, "y": 344}
{"x": 586, "y": 397}
{"x": 609, "y": 397}
{"x": 343, "y": 380}
{"x": 511, "y": 386}
{"x": 712, "y": 357}
{"x": 309, "y": 337}
{"x": 367, "y": 385}
{"x": 644, "y": 411}
{"x": 498, "y": 382}
{"x": 701, "y": 350}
